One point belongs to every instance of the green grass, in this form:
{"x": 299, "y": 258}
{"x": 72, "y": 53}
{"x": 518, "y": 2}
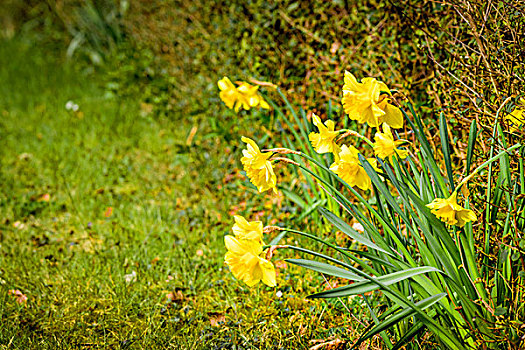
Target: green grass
{"x": 170, "y": 202}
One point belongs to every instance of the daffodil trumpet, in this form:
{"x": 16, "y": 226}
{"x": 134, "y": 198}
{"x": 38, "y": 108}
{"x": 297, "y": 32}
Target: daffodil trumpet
{"x": 385, "y": 147}
{"x": 258, "y": 167}
{"x": 245, "y": 261}
{"x": 369, "y": 101}
{"x": 450, "y": 212}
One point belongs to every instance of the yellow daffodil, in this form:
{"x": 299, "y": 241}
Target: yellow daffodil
{"x": 244, "y": 96}
{"x": 516, "y": 118}
{"x": 350, "y": 169}
{"x": 449, "y": 211}
{"x": 365, "y": 102}
{"x": 257, "y": 166}
{"x": 324, "y": 140}
{"x": 243, "y": 229}
{"x": 229, "y": 94}
{"x": 251, "y": 96}
{"x": 385, "y": 146}
{"x": 246, "y": 264}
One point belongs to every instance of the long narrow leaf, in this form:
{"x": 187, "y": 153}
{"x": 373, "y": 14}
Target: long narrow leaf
{"x": 392, "y": 320}
{"x": 443, "y": 132}
{"x": 349, "y": 231}
{"x": 367, "y": 286}
{"x": 325, "y": 268}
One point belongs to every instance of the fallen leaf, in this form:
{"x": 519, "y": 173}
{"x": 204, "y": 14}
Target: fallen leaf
{"x": 216, "y": 318}
{"x": 44, "y": 198}
{"x": 20, "y": 297}
{"x": 175, "y": 297}
{"x": 330, "y": 345}
{"x": 108, "y": 212}
{"x": 191, "y": 135}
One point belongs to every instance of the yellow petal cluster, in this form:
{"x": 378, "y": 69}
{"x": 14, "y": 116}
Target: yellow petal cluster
{"x": 243, "y": 96}
{"x": 363, "y": 101}
{"x": 324, "y": 140}
{"x": 385, "y": 147}
{"x": 516, "y": 118}
{"x": 350, "y": 169}
{"x": 258, "y": 167}
{"x": 243, "y": 229}
{"x": 449, "y": 211}
{"x": 246, "y": 264}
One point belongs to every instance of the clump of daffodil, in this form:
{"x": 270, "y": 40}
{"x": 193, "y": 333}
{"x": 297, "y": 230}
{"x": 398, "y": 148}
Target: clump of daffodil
{"x": 244, "y": 95}
{"x": 368, "y": 101}
{"x": 385, "y": 147}
{"x": 449, "y": 211}
{"x": 258, "y": 167}
{"x": 349, "y": 168}
{"x": 245, "y": 261}
{"x": 250, "y": 230}
{"x": 324, "y": 140}
{"x": 516, "y": 118}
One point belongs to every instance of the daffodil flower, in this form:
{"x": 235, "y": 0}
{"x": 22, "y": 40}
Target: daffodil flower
{"x": 385, "y": 147}
{"x": 324, "y": 140}
{"x": 363, "y": 101}
{"x": 246, "y": 264}
{"x": 449, "y": 211}
{"x": 349, "y": 168}
{"x": 258, "y": 167}
{"x": 243, "y": 96}
{"x": 251, "y": 97}
{"x": 243, "y": 229}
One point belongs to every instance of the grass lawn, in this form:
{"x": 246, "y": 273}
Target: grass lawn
{"x": 112, "y": 223}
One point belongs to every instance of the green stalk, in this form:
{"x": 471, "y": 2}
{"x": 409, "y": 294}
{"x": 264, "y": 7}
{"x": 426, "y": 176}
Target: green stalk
{"x": 488, "y": 195}
{"x": 490, "y": 160}
{"x": 358, "y": 135}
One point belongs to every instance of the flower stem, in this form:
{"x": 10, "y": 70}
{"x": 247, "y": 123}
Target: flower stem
{"x": 348, "y": 132}
{"x": 496, "y": 157}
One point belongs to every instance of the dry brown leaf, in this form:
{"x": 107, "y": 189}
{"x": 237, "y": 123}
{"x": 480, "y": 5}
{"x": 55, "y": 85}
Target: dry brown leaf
{"x": 216, "y": 318}
{"x": 108, "y": 212}
{"x": 20, "y": 297}
{"x": 175, "y": 297}
{"x": 330, "y": 345}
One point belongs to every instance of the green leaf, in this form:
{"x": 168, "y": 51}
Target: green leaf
{"x": 311, "y": 208}
{"x": 349, "y": 231}
{"x": 392, "y": 320}
{"x": 445, "y": 147}
{"x": 373, "y": 257}
{"x": 278, "y": 238}
{"x": 471, "y": 143}
{"x": 294, "y": 197}
{"x": 367, "y": 286}
{"x": 326, "y": 269}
